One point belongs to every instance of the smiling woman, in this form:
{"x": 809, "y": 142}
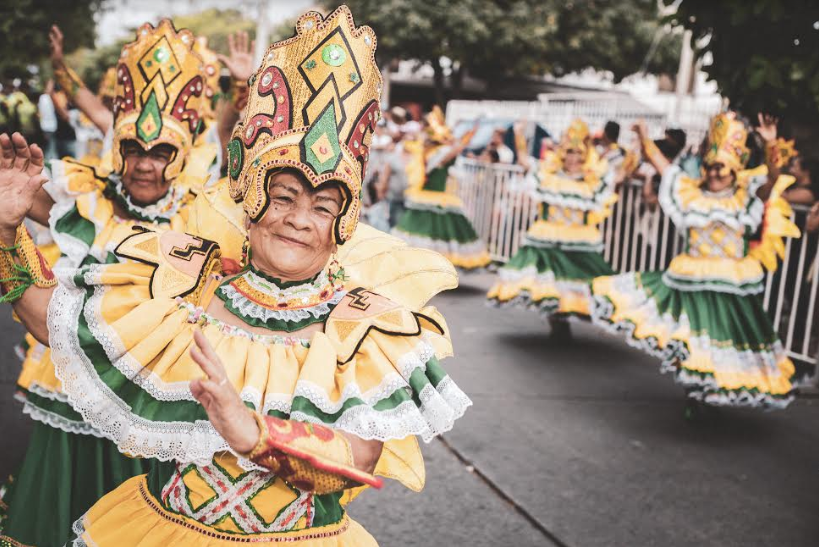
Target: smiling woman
{"x": 274, "y": 394}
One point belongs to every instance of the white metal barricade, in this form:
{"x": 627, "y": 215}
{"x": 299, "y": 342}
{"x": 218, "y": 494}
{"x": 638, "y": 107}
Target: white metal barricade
{"x": 639, "y": 237}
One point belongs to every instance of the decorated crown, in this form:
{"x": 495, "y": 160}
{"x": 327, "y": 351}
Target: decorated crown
{"x": 576, "y": 137}
{"x": 726, "y": 142}
{"x": 313, "y": 106}
{"x": 108, "y": 84}
{"x": 437, "y": 129}
{"x": 212, "y": 68}
{"x": 159, "y": 93}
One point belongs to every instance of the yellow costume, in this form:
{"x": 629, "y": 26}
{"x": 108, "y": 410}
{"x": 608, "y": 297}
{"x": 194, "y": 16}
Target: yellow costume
{"x": 703, "y": 316}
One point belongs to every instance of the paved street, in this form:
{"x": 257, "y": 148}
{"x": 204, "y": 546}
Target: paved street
{"x": 578, "y": 444}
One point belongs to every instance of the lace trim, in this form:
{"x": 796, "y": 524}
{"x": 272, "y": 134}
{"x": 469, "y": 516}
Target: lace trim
{"x": 60, "y": 422}
{"x": 472, "y": 248}
{"x": 197, "y": 442}
{"x": 248, "y": 308}
{"x": 750, "y": 216}
{"x": 166, "y": 208}
{"x": 752, "y": 286}
{"x": 78, "y": 529}
{"x": 198, "y": 315}
{"x": 545, "y": 244}
{"x": 409, "y": 203}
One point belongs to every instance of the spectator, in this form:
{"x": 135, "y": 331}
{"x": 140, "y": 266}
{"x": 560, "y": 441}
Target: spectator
{"x": 812, "y": 224}
{"x": 805, "y": 191}
{"x": 48, "y": 120}
{"x": 496, "y": 150}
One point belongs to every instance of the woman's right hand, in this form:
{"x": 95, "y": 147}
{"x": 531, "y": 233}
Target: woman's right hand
{"x": 21, "y": 177}
{"x": 240, "y": 61}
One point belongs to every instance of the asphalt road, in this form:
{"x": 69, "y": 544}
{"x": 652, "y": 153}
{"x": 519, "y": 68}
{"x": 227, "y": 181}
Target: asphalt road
{"x": 576, "y": 443}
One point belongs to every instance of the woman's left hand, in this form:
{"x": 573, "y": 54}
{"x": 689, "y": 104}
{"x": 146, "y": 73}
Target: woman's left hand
{"x": 226, "y": 411}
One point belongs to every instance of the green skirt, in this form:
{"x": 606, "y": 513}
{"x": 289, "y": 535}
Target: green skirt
{"x": 446, "y": 231}
{"x": 720, "y": 346}
{"x": 62, "y": 476}
{"x": 550, "y": 280}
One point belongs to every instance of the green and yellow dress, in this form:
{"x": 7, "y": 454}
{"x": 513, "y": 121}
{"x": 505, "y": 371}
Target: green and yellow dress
{"x": 121, "y": 337}
{"x": 69, "y": 465}
{"x": 434, "y": 218}
{"x": 552, "y": 271}
{"x": 703, "y": 316}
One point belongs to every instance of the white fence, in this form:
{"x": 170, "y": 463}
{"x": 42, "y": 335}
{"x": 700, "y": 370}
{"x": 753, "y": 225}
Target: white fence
{"x": 640, "y": 238}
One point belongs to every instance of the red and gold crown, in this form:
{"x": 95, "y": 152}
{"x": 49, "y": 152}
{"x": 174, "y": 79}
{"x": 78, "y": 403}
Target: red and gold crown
{"x": 212, "y": 69}
{"x": 313, "y": 106}
{"x": 726, "y": 142}
{"x": 159, "y": 93}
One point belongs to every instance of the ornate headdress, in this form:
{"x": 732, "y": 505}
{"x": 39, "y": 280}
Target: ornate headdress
{"x": 576, "y": 137}
{"x": 726, "y": 142}
{"x": 108, "y": 84}
{"x": 437, "y": 129}
{"x": 160, "y": 91}
{"x": 313, "y": 106}
{"x": 212, "y": 68}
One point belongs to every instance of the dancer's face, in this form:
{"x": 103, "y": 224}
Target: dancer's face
{"x": 144, "y": 176}
{"x": 718, "y": 176}
{"x": 294, "y": 239}
{"x": 573, "y": 160}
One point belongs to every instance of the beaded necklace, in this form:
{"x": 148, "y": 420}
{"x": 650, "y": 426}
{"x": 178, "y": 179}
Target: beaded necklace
{"x": 264, "y": 301}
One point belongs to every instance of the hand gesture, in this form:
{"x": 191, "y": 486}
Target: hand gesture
{"x": 767, "y": 127}
{"x": 240, "y": 61}
{"x": 21, "y": 177}
{"x": 226, "y": 411}
{"x": 640, "y": 128}
{"x": 55, "y": 41}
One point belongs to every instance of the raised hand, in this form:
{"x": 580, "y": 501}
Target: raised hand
{"x": 240, "y": 61}
{"x": 767, "y": 127}
{"x": 55, "y": 41}
{"x": 21, "y": 177}
{"x": 226, "y": 411}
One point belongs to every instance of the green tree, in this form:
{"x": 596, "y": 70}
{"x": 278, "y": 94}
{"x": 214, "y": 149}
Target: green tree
{"x": 763, "y": 53}
{"x": 493, "y": 39}
{"x": 24, "y": 28}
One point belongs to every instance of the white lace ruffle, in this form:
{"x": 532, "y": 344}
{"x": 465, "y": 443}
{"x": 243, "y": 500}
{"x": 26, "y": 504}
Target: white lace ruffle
{"x": 750, "y": 216}
{"x": 248, "y": 308}
{"x": 697, "y": 284}
{"x": 166, "y": 208}
{"x": 473, "y": 248}
{"x": 197, "y": 442}
{"x": 562, "y": 245}
{"x": 409, "y": 203}
{"x": 59, "y": 422}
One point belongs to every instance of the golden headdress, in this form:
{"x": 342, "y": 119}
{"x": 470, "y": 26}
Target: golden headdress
{"x": 576, "y": 137}
{"x": 726, "y": 142}
{"x": 160, "y": 91}
{"x": 313, "y": 106}
{"x": 212, "y": 69}
{"x": 437, "y": 129}
{"x": 108, "y": 84}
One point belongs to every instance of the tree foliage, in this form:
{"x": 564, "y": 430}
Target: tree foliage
{"x": 498, "y": 38}
{"x": 216, "y": 24}
{"x": 24, "y": 28}
{"x": 763, "y": 52}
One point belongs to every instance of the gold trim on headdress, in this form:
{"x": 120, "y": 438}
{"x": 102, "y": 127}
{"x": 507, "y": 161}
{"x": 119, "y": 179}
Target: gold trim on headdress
{"x": 212, "y": 73}
{"x": 108, "y": 84}
{"x": 576, "y": 137}
{"x": 160, "y": 91}
{"x": 313, "y": 106}
{"x": 726, "y": 142}
{"x": 437, "y": 129}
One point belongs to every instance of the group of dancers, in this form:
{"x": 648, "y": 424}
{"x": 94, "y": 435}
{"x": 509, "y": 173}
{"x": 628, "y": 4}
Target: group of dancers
{"x": 218, "y": 352}
{"x": 703, "y": 316}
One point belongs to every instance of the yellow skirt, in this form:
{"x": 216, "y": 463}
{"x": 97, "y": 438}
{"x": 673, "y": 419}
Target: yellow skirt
{"x": 130, "y": 515}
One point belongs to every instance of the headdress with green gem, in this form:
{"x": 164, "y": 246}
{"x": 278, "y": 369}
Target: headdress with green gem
{"x": 313, "y": 106}
{"x": 159, "y": 93}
